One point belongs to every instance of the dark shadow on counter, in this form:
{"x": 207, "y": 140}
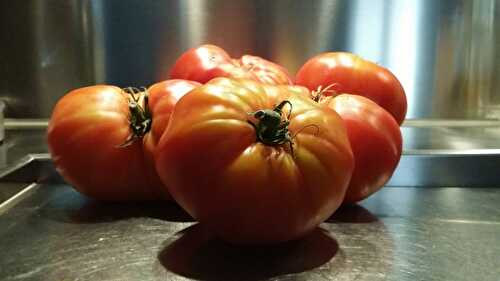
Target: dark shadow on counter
{"x": 69, "y": 206}
{"x": 197, "y": 253}
{"x": 352, "y": 213}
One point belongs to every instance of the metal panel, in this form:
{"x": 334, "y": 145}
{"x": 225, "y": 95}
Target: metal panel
{"x": 444, "y": 52}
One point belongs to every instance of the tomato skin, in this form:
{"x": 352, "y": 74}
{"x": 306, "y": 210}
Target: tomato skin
{"x": 206, "y": 62}
{"x": 376, "y": 143}
{"x": 163, "y": 97}
{"x": 351, "y": 74}
{"x": 244, "y": 190}
{"x": 85, "y": 131}
{"x": 266, "y": 71}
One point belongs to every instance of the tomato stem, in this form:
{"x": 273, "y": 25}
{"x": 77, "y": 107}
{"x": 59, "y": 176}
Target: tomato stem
{"x": 271, "y": 128}
{"x": 140, "y": 117}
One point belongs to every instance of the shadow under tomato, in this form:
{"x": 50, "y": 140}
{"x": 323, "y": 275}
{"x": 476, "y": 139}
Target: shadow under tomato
{"x": 352, "y": 213}
{"x": 197, "y": 253}
{"x": 71, "y": 207}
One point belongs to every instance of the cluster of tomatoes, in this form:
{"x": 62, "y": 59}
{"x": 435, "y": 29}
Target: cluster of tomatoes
{"x": 256, "y": 156}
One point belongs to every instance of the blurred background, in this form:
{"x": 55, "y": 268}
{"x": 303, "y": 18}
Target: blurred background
{"x": 445, "y": 52}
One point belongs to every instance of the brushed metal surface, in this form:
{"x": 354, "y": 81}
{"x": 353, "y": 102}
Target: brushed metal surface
{"x": 19, "y": 144}
{"x": 47, "y": 49}
{"x": 398, "y": 234}
{"x": 443, "y": 51}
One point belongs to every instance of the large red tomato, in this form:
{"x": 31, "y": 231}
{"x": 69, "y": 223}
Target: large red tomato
{"x": 347, "y": 73}
{"x": 256, "y": 163}
{"x": 102, "y": 139}
{"x": 209, "y": 61}
{"x": 376, "y": 143}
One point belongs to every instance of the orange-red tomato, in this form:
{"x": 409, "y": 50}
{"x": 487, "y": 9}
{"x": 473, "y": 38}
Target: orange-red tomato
{"x": 206, "y": 62}
{"x": 266, "y": 71}
{"x": 376, "y": 143}
{"x": 226, "y": 158}
{"x": 347, "y": 73}
{"x": 87, "y": 132}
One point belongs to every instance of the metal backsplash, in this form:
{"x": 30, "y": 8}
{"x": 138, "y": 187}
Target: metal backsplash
{"x": 446, "y": 53}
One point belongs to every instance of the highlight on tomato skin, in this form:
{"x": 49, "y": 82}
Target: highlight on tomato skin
{"x": 267, "y": 72}
{"x": 347, "y": 73}
{"x": 255, "y": 163}
{"x": 206, "y": 62}
{"x": 101, "y": 151}
{"x": 376, "y": 142}
{"x": 163, "y": 97}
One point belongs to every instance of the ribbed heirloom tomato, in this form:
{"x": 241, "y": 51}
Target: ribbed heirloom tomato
{"x": 102, "y": 139}
{"x": 255, "y": 163}
{"x": 376, "y": 143}
{"x": 206, "y": 62}
{"x": 342, "y": 72}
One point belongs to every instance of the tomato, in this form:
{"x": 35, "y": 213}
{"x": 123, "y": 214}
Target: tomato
{"x": 97, "y": 150}
{"x": 266, "y": 71}
{"x": 209, "y": 61}
{"x": 255, "y": 163}
{"x": 376, "y": 143}
{"x": 347, "y": 73}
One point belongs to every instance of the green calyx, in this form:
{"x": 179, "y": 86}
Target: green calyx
{"x": 271, "y": 128}
{"x": 140, "y": 118}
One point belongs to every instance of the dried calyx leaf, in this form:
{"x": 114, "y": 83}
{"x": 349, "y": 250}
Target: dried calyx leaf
{"x": 139, "y": 117}
{"x": 320, "y": 92}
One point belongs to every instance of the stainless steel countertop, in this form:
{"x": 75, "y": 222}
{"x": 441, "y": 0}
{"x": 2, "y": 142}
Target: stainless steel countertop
{"x": 398, "y": 234}
{"x": 50, "y": 232}
{"x": 20, "y": 142}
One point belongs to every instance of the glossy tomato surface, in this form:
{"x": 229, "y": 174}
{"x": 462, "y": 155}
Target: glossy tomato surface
{"x": 376, "y": 143}
{"x": 86, "y": 133}
{"x": 266, "y": 71}
{"x": 162, "y": 98}
{"x": 244, "y": 190}
{"x": 206, "y": 62}
{"x": 347, "y": 73}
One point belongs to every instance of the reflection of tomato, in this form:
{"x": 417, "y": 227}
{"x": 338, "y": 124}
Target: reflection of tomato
{"x": 348, "y": 73}
{"x": 243, "y": 180}
{"x": 88, "y": 128}
{"x": 376, "y": 143}
{"x": 208, "y": 61}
